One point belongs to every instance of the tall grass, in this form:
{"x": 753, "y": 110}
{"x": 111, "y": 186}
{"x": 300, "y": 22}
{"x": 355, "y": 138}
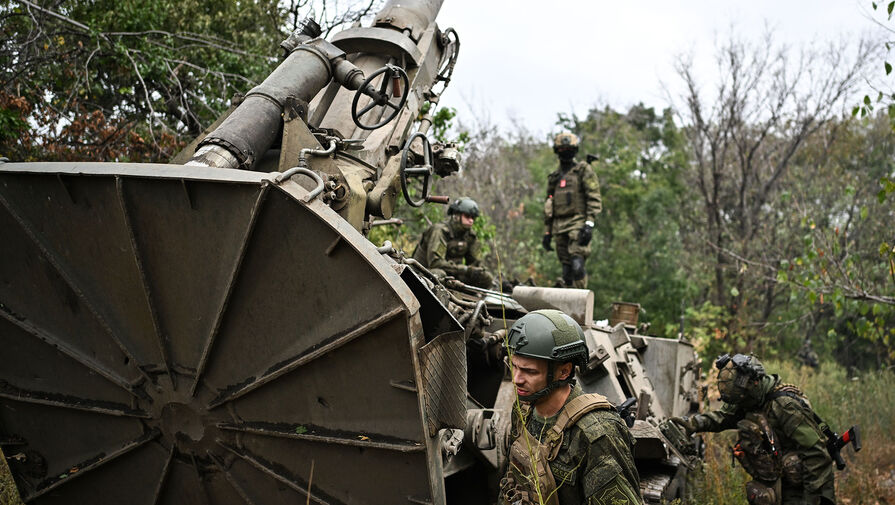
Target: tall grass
{"x": 841, "y": 399}
{"x": 9, "y": 495}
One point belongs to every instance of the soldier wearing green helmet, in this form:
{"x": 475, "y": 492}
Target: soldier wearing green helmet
{"x": 452, "y": 248}
{"x": 781, "y": 440}
{"x": 568, "y": 447}
{"x": 572, "y": 204}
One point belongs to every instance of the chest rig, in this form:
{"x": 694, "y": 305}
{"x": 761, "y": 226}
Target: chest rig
{"x": 567, "y": 191}
{"x": 457, "y": 247}
{"x": 530, "y": 476}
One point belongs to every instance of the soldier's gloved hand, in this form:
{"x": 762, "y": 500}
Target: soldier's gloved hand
{"x": 546, "y": 241}
{"x": 687, "y": 423}
{"x": 586, "y": 233}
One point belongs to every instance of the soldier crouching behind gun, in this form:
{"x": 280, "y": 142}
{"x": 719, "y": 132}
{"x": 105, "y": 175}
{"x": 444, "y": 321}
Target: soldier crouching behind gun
{"x": 569, "y": 448}
{"x": 781, "y": 440}
{"x": 452, "y": 248}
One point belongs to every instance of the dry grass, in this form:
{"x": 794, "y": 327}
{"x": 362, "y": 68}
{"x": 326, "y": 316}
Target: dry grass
{"x": 9, "y": 495}
{"x": 866, "y": 399}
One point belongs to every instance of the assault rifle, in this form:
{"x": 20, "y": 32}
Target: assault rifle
{"x": 835, "y": 443}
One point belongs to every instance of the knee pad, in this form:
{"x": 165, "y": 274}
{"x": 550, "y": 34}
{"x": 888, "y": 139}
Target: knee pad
{"x": 577, "y": 268}
{"x": 567, "y": 274}
{"x": 761, "y": 494}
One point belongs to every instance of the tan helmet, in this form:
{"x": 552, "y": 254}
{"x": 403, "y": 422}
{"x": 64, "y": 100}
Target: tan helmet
{"x": 738, "y": 378}
{"x": 565, "y": 140}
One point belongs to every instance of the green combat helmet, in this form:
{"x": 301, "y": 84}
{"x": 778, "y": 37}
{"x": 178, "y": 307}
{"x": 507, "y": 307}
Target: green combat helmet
{"x": 464, "y": 206}
{"x": 550, "y": 335}
{"x": 739, "y": 377}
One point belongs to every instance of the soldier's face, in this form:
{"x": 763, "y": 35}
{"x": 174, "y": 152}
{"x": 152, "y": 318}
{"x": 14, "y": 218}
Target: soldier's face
{"x": 530, "y": 374}
{"x": 466, "y": 221}
{"x": 566, "y": 153}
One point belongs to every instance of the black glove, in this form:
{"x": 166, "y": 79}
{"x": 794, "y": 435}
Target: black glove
{"x": 546, "y": 241}
{"x": 585, "y": 234}
{"x": 687, "y": 423}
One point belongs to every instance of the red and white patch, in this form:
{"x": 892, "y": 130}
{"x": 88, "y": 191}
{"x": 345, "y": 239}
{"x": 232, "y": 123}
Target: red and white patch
{"x": 562, "y": 183}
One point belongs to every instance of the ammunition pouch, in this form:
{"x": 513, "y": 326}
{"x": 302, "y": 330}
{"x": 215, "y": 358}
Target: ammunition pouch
{"x": 511, "y": 493}
{"x": 530, "y": 457}
{"x": 756, "y": 448}
{"x": 792, "y": 469}
{"x": 456, "y": 249}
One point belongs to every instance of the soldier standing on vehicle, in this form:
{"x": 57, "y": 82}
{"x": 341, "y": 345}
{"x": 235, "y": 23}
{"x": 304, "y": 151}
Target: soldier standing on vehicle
{"x": 451, "y": 247}
{"x": 781, "y": 441}
{"x": 568, "y": 447}
{"x": 573, "y": 202}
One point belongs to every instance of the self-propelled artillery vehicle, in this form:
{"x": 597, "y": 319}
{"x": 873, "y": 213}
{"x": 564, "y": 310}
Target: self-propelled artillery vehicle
{"x": 218, "y": 330}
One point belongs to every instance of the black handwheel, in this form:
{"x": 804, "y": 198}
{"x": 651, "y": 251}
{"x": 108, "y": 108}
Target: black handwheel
{"x": 424, "y": 170}
{"x": 381, "y": 97}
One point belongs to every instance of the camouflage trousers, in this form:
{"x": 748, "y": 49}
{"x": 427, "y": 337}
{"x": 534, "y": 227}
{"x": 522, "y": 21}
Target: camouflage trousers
{"x": 567, "y": 247}
{"x": 795, "y": 495}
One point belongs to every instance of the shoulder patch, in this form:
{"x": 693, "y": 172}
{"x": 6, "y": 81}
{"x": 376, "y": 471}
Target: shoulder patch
{"x": 614, "y": 495}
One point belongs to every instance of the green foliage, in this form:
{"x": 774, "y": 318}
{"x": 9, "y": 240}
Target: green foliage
{"x": 705, "y": 326}
{"x": 842, "y": 268}
{"x": 138, "y": 78}
{"x": 885, "y": 97}
{"x": 443, "y": 124}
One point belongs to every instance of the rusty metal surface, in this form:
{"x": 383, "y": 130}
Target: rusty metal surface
{"x": 180, "y": 335}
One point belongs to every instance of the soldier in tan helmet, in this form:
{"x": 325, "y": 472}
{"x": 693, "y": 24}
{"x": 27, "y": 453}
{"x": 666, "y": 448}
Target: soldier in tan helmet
{"x": 781, "y": 439}
{"x": 573, "y": 202}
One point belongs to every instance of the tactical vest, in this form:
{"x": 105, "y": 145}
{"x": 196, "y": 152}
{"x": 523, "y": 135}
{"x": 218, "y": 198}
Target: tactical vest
{"x": 457, "y": 247}
{"x": 568, "y": 192}
{"x": 792, "y": 463}
{"x": 791, "y": 391}
{"x": 531, "y": 457}
{"x": 757, "y": 448}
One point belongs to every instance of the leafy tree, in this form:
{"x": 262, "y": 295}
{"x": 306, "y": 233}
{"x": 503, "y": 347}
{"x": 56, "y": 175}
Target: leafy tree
{"x": 637, "y": 244}
{"x": 129, "y": 80}
{"x": 744, "y": 139}
{"x": 884, "y": 91}
{"x": 843, "y": 272}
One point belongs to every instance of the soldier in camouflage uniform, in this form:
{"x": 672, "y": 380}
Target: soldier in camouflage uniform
{"x": 781, "y": 443}
{"x": 573, "y": 202}
{"x": 568, "y": 447}
{"x": 451, "y": 248}
{"x": 807, "y": 355}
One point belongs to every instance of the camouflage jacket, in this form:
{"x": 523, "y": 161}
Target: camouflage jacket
{"x": 449, "y": 247}
{"x": 595, "y": 464}
{"x": 573, "y": 197}
{"x": 795, "y": 428}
